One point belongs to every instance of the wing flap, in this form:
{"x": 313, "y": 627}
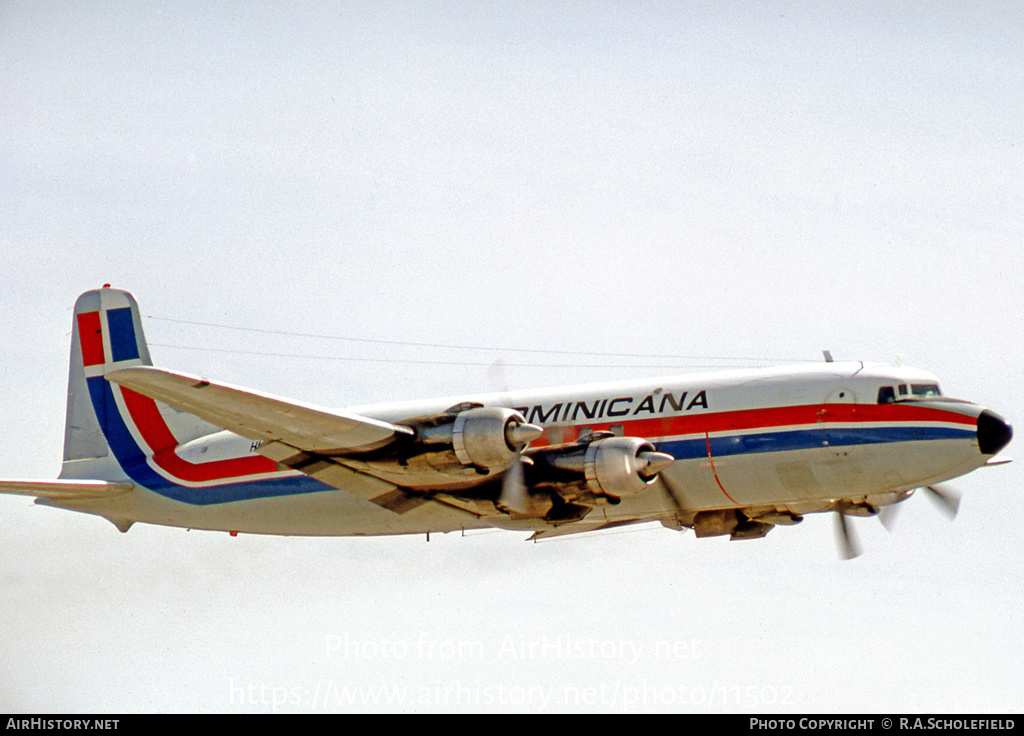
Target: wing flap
{"x": 327, "y": 470}
{"x": 261, "y": 417}
{"x": 582, "y": 527}
{"x": 65, "y": 490}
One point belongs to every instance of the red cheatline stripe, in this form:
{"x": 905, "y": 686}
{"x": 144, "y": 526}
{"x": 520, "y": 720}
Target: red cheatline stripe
{"x": 157, "y": 435}
{"x": 701, "y": 422}
{"x": 90, "y": 336}
{"x": 215, "y": 470}
{"x": 155, "y": 432}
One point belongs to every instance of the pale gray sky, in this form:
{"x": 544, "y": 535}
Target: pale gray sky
{"x": 698, "y": 179}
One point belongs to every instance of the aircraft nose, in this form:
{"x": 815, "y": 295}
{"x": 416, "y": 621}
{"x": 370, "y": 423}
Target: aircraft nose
{"x": 993, "y": 433}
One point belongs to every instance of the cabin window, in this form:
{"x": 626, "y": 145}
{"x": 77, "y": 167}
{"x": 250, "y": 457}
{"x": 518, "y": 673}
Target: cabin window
{"x": 886, "y": 395}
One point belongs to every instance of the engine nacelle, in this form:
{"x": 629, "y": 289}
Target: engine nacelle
{"x": 491, "y": 437}
{"x": 622, "y": 466}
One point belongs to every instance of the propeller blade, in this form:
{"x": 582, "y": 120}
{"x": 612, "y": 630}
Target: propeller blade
{"x": 514, "y": 495}
{"x": 848, "y": 547}
{"x": 887, "y": 515}
{"x": 947, "y": 499}
{"x": 496, "y": 376}
{"x": 673, "y": 495}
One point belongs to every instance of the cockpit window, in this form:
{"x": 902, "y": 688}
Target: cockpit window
{"x": 887, "y": 394}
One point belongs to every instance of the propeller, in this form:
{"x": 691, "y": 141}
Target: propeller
{"x": 652, "y": 463}
{"x": 947, "y": 499}
{"x": 671, "y": 491}
{"x": 887, "y": 515}
{"x": 515, "y": 496}
{"x": 520, "y": 435}
{"x": 848, "y": 545}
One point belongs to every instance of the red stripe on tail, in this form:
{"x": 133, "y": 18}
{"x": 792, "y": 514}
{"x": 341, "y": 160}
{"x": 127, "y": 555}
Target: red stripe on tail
{"x": 90, "y": 336}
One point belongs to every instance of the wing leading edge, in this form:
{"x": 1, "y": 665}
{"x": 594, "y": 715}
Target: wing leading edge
{"x": 262, "y": 417}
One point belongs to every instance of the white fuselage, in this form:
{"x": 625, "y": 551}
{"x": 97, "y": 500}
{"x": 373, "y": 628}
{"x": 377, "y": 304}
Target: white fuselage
{"x": 771, "y": 442}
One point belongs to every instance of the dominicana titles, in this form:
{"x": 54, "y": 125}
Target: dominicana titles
{"x": 612, "y": 408}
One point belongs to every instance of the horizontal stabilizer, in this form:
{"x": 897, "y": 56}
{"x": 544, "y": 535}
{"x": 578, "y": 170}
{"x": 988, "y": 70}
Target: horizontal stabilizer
{"x": 65, "y": 490}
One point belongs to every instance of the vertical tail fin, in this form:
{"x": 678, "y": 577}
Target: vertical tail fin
{"x": 106, "y": 334}
{"x": 109, "y": 431}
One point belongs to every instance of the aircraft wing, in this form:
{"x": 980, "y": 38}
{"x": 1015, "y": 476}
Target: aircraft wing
{"x": 261, "y": 417}
{"x": 303, "y": 437}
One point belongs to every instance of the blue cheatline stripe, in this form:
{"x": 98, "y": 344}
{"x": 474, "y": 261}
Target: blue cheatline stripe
{"x": 806, "y": 439}
{"x": 123, "y": 345}
{"x": 133, "y": 461}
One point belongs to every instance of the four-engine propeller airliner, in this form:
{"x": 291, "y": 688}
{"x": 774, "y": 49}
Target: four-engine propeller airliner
{"x": 730, "y": 453}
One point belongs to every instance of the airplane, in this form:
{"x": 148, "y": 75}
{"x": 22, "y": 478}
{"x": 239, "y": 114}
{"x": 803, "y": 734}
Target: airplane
{"x": 733, "y": 453}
